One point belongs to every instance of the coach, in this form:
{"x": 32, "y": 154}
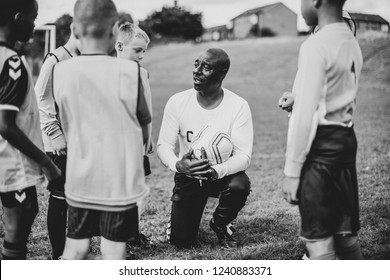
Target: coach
{"x": 208, "y": 103}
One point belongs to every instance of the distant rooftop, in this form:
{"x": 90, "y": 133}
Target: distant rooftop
{"x": 368, "y": 17}
{"x": 262, "y": 9}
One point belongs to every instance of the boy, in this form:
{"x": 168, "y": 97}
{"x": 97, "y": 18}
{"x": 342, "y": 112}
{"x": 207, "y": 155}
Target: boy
{"x": 104, "y": 117}
{"x": 54, "y": 143}
{"x": 22, "y": 161}
{"x": 131, "y": 44}
{"x": 320, "y": 170}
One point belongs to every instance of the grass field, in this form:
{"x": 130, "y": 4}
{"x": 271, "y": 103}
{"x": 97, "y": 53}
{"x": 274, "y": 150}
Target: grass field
{"x": 262, "y": 69}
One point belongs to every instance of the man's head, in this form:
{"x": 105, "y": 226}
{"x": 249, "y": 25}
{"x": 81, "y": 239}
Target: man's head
{"x": 310, "y": 9}
{"x": 210, "y": 69}
{"x": 19, "y": 16}
{"x": 132, "y": 42}
{"x": 96, "y": 20}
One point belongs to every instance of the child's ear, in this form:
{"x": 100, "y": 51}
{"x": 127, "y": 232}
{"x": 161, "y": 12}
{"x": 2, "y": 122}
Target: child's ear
{"x": 317, "y": 3}
{"x": 75, "y": 31}
{"x": 119, "y": 46}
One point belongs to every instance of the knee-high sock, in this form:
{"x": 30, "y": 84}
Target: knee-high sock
{"x": 56, "y": 225}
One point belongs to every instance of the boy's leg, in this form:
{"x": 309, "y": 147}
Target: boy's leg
{"x": 57, "y": 210}
{"x": 20, "y": 210}
{"x": 112, "y": 250}
{"x": 348, "y": 247}
{"x": 188, "y": 202}
{"x": 321, "y": 249}
{"x": 76, "y": 249}
{"x": 116, "y": 229}
{"x": 82, "y": 225}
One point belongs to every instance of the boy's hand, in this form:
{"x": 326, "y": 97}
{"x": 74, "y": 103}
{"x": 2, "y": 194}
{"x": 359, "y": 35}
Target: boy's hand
{"x": 150, "y": 149}
{"x": 51, "y": 171}
{"x": 290, "y": 188}
{"x": 286, "y": 102}
{"x": 192, "y": 167}
{"x": 59, "y": 145}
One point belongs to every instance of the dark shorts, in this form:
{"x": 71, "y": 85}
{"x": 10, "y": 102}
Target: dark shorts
{"x": 24, "y": 198}
{"x": 328, "y": 190}
{"x": 114, "y": 226}
{"x": 56, "y": 187}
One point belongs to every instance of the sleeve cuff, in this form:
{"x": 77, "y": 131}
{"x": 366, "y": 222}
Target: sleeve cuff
{"x": 9, "y": 107}
{"x": 55, "y": 134}
{"x": 172, "y": 165}
{"x": 292, "y": 168}
{"x": 221, "y": 170}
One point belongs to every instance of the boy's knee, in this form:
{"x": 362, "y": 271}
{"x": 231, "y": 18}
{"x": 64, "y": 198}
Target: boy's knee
{"x": 320, "y": 249}
{"x": 76, "y": 249}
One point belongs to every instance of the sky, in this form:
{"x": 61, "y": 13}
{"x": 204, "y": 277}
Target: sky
{"x": 215, "y": 12}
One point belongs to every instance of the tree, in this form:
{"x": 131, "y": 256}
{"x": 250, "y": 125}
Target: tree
{"x": 173, "y": 22}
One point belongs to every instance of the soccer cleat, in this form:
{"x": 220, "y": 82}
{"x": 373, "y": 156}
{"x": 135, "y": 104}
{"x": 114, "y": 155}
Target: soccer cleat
{"x": 225, "y": 235}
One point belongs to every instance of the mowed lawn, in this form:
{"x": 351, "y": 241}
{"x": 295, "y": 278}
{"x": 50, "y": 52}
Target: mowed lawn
{"x": 267, "y": 227}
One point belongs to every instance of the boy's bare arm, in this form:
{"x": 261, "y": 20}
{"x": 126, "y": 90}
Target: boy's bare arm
{"x": 11, "y": 132}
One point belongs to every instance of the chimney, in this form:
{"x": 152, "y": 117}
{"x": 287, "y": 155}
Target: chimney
{"x": 175, "y": 3}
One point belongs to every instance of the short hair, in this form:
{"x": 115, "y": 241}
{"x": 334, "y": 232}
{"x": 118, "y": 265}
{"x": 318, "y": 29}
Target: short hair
{"x": 339, "y": 3}
{"x": 128, "y": 31}
{"x": 94, "y": 17}
{"x": 224, "y": 60}
{"x": 9, "y": 8}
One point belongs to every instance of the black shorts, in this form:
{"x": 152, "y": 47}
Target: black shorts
{"x": 328, "y": 189}
{"x": 24, "y": 198}
{"x": 56, "y": 187}
{"x": 114, "y": 226}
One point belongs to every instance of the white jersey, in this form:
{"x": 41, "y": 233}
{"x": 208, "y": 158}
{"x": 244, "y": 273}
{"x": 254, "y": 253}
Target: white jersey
{"x": 330, "y": 62}
{"x": 50, "y": 124}
{"x": 101, "y": 115}
{"x": 184, "y": 116}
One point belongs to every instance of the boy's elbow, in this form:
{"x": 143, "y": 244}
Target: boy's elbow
{"x": 5, "y": 129}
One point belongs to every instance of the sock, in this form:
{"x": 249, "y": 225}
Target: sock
{"x": 328, "y": 256}
{"x": 352, "y": 252}
{"x": 14, "y": 251}
{"x": 56, "y": 225}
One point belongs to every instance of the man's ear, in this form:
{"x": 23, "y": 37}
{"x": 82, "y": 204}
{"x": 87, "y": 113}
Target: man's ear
{"x": 19, "y": 18}
{"x": 119, "y": 46}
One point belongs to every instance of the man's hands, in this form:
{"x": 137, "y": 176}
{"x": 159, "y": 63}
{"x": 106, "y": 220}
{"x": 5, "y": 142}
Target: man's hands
{"x": 196, "y": 168}
{"x": 51, "y": 171}
{"x": 286, "y": 102}
{"x": 290, "y": 188}
{"x": 59, "y": 145}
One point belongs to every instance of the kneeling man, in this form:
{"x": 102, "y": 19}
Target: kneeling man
{"x": 208, "y": 103}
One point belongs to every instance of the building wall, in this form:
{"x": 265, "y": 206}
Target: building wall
{"x": 363, "y": 26}
{"x": 281, "y": 20}
{"x": 242, "y": 27}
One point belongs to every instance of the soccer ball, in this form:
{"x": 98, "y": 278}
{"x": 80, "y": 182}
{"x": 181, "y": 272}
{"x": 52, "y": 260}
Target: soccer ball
{"x": 217, "y": 144}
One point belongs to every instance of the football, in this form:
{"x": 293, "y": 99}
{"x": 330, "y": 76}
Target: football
{"x": 218, "y": 145}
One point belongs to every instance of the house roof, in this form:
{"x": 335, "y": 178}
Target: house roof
{"x": 367, "y": 17}
{"x": 216, "y": 28}
{"x": 262, "y": 9}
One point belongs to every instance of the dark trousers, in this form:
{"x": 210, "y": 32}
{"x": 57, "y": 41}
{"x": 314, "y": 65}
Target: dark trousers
{"x": 189, "y": 199}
